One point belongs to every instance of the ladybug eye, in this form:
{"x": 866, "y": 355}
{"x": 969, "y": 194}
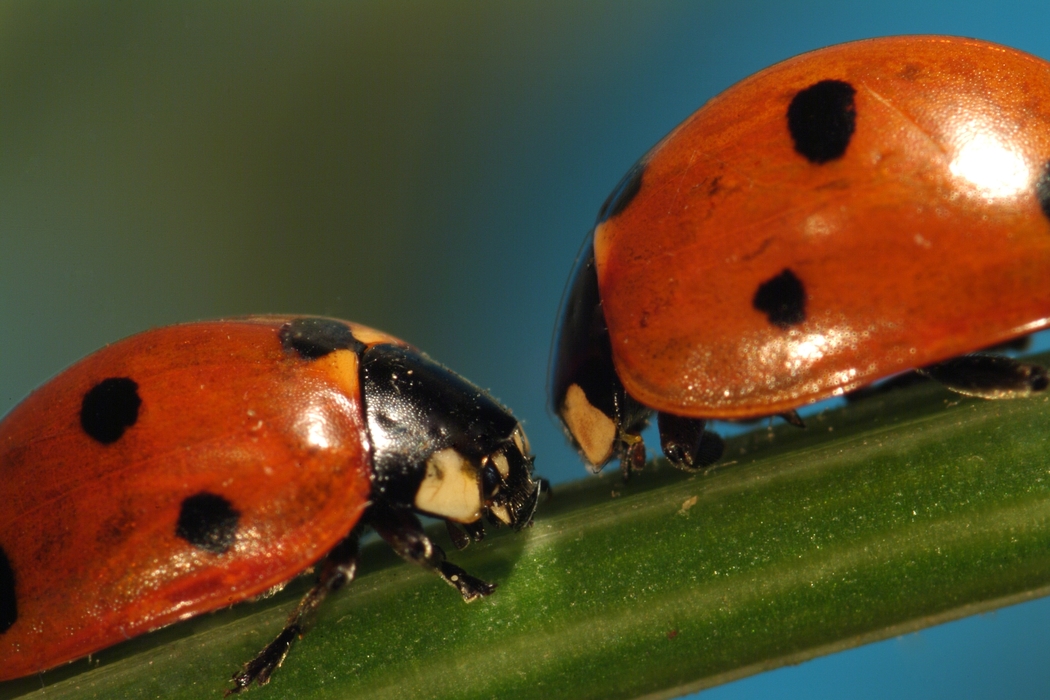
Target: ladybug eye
{"x": 491, "y": 479}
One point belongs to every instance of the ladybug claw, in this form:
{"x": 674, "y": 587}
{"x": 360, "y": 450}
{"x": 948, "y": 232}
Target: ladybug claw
{"x": 259, "y": 669}
{"x": 686, "y": 444}
{"x": 470, "y": 587}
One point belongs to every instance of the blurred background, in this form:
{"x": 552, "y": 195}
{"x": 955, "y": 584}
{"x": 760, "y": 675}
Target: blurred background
{"x": 427, "y": 168}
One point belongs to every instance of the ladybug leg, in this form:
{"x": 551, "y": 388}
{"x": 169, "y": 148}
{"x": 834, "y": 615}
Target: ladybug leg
{"x": 989, "y": 376}
{"x": 632, "y": 457}
{"x": 459, "y": 538}
{"x": 401, "y": 529}
{"x": 336, "y": 570}
{"x": 685, "y": 442}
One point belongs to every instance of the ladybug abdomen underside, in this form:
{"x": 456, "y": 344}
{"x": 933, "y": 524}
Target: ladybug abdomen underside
{"x": 754, "y": 272}
{"x": 172, "y": 473}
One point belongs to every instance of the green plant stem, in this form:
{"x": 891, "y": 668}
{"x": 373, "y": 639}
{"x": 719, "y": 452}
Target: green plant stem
{"x": 909, "y": 509}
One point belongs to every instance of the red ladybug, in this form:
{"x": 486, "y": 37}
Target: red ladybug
{"x": 845, "y": 215}
{"x": 191, "y": 467}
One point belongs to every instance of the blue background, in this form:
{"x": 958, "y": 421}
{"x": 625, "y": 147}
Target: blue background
{"x": 429, "y": 169}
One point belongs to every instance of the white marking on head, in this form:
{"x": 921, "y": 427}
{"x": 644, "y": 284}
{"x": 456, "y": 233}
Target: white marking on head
{"x": 502, "y": 465}
{"x": 593, "y": 431}
{"x": 451, "y": 488}
{"x": 502, "y": 513}
{"x": 521, "y": 441}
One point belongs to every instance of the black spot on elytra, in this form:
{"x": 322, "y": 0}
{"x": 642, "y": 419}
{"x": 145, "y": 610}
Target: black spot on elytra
{"x": 782, "y": 299}
{"x": 109, "y": 408}
{"x": 1042, "y": 189}
{"x": 623, "y": 193}
{"x": 821, "y": 120}
{"x": 208, "y": 521}
{"x": 316, "y": 337}
{"x": 8, "y": 601}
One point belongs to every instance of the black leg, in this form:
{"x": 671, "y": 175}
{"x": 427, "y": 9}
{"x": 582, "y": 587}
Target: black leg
{"x": 633, "y": 458}
{"x": 459, "y": 538}
{"x": 793, "y": 418}
{"x": 336, "y": 570}
{"x": 401, "y": 529}
{"x": 989, "y": 376}
{"x": 686, "y": 444}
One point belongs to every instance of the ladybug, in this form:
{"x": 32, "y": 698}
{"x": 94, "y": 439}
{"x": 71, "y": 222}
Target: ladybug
{"x": 846, "y": 215}
{"x": 194, "y": 466}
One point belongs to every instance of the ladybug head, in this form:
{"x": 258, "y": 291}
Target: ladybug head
{"x": 443, "y": 446}
{"x": 508, "y": 492}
